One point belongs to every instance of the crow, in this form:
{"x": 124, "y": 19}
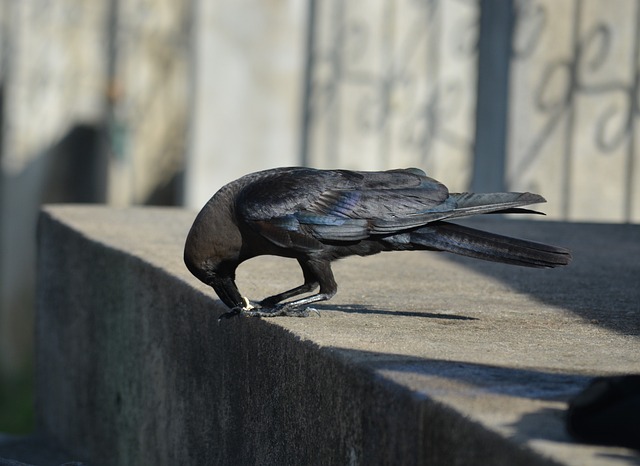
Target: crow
{"x": 318, "y": 216}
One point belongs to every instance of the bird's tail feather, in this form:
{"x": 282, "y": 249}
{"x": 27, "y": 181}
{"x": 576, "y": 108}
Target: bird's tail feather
{"x": 465, "y": 241}
{"x": 485, "y": 203}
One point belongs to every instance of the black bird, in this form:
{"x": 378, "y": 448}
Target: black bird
{"x": 318, "y": 216}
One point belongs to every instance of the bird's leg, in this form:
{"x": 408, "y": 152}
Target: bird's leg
{"x": 271, "y": 301}
{"x": 315, "y": 272}
{"x": 321, "y": 271}
{"x": 298, "y": 308}
{"x": 310, "y": 283}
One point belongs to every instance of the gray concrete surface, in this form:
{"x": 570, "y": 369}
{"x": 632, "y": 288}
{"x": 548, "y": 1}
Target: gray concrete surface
{"x": 420, "y": 358}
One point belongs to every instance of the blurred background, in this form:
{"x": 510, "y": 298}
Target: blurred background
{"x": 161, "y": 102}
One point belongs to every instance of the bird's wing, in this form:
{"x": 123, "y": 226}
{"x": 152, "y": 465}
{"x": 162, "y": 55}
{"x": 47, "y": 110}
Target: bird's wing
{"x": 375, "y": 211}
{"x": 302, "y": 208}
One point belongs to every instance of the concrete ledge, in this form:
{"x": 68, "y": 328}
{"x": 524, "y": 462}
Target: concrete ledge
{"x": 420, "y": 359}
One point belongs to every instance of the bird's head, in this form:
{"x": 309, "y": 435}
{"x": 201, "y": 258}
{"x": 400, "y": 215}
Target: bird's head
{"x": 212, "y": 252}
{"x": 220, "y": 275}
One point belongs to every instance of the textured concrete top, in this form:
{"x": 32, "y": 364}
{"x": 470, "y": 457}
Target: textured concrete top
{"x": 502, "y": 345}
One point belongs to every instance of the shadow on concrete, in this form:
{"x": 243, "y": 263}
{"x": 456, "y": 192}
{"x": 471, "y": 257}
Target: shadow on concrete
{"x": 585, "y": 288}
{"x": 549, "y": 424}
{"x": 75, "y": 169}
{"x": 360, "y": 309}
{"x": 168, "y": 193}
{"x": 480, "y": 378}
{"x": 447, "y": 381}
{"x": 630, "y": 458}
{"x": 539, "y": 425}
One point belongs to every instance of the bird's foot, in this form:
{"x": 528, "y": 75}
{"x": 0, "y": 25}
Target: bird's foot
{"x": 249, "y": 310}
{"x": 281, "y": 311}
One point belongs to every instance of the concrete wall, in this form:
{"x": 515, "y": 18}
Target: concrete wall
{"x": 111, "y": 101}
{"x": 94, "y": 106}
{"x": 133, "y": 368}
{"x": 53, "y": 79}
{"x": 573, "y": 132}
{"x": 396, "y": 84}
{"x": 148, "y": 97}
{"x": 473, "y": 367}
{"x": 247, "y": 87}
{"x": 392, "y": 84}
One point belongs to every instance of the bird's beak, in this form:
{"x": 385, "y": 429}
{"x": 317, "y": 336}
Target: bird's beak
{"x": 227, "y": 291}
